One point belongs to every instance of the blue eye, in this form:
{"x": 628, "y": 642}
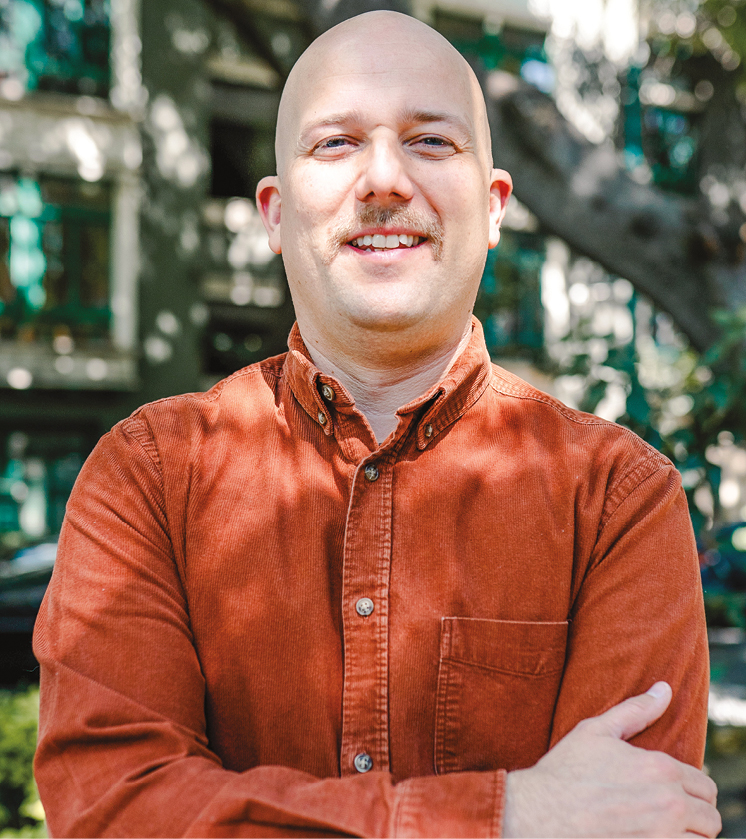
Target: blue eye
{"x": 432, "y": 146}
{"x": 332, "y": 148}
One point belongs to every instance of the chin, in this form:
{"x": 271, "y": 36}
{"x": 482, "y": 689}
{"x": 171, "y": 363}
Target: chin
{"x": 387, "y": 306}
{"x": 385, "y": 319}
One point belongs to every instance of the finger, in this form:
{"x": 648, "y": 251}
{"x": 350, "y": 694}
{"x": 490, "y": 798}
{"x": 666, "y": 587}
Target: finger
{"x": 634, "y": 714}
{"x": 697, "y": 784}
{"x": 703, "y": 819}
{"x": 661, "y": 768}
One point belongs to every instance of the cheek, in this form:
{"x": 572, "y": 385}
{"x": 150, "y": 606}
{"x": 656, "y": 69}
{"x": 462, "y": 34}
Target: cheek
{"x": 470, "y": 230}
{"x": 321, "y": 194}
{"x": 458, "y": 194}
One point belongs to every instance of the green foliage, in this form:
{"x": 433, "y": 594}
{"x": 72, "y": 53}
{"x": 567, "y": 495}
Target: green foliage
{"x": 725, "y": 608}
{"x": 720, "y": 30}
{"x": 725, "y": 740}
{"x": 713, "y": 386}
{"x": 509, "y": 300}
{"x": 21, "y": 813}
{"x": 718, "y": 406}
{"x": 728, "y": 19}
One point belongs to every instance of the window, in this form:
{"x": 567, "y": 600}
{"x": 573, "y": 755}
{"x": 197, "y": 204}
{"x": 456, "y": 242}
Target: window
{"x": 38, "y": 468}
{"x": 70, "y": 154}
{"x": 54, "y": 45}
{"x": 54, "y": 261}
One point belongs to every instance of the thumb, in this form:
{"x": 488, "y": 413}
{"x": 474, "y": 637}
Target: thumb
{"x": 634, "y": 714}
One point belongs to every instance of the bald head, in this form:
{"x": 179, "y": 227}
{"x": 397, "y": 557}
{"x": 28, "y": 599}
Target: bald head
{"x": 380, "y": 44}
{"x": 385, "y": 202}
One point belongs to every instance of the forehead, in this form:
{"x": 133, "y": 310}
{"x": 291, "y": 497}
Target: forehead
{"x": 384, "y": 77}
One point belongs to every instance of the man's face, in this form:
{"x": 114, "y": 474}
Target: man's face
{"x": 386, "y": 202}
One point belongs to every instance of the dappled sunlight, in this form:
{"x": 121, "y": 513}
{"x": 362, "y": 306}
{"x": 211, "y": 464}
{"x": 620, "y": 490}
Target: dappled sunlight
{"x": 179, "y": 157}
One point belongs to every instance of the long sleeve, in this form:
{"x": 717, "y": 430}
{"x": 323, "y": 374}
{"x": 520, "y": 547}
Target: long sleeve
{"x": 123, "y": 744}
{"x": 247, "y": 600}
{"x": 638, "y": 617}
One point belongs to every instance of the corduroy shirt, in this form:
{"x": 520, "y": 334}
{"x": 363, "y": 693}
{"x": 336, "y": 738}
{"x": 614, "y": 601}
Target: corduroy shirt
{"x": 262, "y": 622}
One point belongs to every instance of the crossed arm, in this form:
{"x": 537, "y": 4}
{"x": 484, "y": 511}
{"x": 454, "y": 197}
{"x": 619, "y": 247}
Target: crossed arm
{"x": 594, "y": 783}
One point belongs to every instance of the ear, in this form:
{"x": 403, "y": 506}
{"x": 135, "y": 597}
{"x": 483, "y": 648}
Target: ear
{"x": 269, "y": 202}
{"x": 501, "y": 185}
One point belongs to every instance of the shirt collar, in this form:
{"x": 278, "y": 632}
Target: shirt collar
{"x": 442, "y": 405}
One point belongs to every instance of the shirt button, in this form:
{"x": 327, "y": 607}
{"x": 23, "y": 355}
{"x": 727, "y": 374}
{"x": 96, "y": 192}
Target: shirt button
{"x": 371, "y": 472}
{"x": 363, "y": 762}
{"x": 322, "y": 418}
{"x": 428, "y": 430}
{"x": 364, "y": 607}
{"x": 327, "y": 393}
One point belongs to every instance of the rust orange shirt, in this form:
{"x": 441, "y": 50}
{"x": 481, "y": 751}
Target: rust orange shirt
{"x": 261, "y": 622}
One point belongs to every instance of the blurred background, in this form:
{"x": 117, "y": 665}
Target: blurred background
{"x": 133, "y": 264}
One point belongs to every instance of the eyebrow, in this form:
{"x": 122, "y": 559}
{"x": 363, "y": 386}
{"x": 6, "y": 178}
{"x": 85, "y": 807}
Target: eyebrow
{"x": 414, "y": 116}
{"x": 420, "y": 117}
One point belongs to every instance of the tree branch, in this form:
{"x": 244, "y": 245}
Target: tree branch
{"x": 666, "y": 245}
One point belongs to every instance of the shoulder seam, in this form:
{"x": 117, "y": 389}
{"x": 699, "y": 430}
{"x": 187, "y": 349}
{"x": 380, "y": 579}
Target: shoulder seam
{"x": 213, "y": 393}
{"x": 145, "y": 441}
{"x": 572, "y": 416}
{"x": 639, "y": 480}
{"x": 538, "y": 396}
{"x": 633, "y": 479}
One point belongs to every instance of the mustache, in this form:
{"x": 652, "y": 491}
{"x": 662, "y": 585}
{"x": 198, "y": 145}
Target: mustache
{"x": 372, "y": 215}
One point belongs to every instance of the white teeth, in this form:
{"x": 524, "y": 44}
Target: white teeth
{"x": 380, "y": 241}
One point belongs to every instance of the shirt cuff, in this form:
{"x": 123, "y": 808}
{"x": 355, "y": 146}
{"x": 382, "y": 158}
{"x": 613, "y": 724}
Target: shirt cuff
{"x": 462, "y": 804}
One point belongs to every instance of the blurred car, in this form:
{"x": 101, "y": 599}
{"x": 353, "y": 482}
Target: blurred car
{"x": 23, "y": 580}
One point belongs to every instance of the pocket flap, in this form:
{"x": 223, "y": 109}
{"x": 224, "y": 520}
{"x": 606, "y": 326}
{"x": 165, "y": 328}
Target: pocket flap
{"x": 527, "y": 647}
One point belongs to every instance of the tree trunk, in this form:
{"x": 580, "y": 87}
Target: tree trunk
{"x": 666, "y": 245}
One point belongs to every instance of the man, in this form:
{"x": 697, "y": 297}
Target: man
{"x": 346, "y": 589}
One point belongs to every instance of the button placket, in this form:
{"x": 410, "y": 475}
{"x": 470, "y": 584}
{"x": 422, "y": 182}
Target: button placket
{"x": 366, "y": 567}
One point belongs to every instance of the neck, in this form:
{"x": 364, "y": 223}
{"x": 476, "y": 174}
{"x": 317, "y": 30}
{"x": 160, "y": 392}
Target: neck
{"x": 380, "y": 386}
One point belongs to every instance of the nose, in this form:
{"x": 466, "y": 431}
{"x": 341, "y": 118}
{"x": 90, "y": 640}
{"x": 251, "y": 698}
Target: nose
{"x": 384, "y": 177}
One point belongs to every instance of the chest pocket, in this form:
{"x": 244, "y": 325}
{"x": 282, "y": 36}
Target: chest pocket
{"x": 497, "y": 688}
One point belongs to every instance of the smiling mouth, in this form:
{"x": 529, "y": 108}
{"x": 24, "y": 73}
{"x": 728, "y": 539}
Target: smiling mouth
{"x": 383, "y": 242}
{"x": 376, "y": 231}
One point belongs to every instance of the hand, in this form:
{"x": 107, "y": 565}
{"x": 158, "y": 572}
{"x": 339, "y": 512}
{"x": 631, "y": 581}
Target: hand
{"x": 593, "y": 783}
